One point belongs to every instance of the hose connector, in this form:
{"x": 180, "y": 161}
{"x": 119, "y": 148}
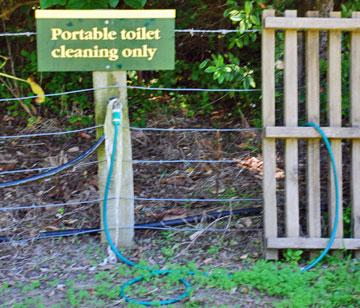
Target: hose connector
{"x": 117, "y": 110}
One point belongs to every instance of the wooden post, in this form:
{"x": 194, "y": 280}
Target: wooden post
{"x": 313, "y": 115}
{"x": 355, "y": 122}
{"x": 334, "y": 115}
{"x": 291, "y": 119}
{"x": 121, "y": 205}
{"x": 268, "y": 145}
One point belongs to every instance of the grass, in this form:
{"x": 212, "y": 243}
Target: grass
{"x": 335, "y": 284}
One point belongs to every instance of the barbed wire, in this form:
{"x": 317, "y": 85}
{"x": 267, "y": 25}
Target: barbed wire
{"x": 159, "y": 129}
{"x": 184, "y": 161}
{"x": 188, "y": 31}
{"x": 51, "y": 133}
{"x": 49, "y": 205}
{"x": 45, "y": 134}
{"x": 219, "y": 31}
{"x": 10, "y": 99}
{"x": 134, "y": 162}
{"x": 16, "y": 171}
{"x": 94, "y": 201}
{"x": 18, "y": 34}
{"x": 12, "y": 241}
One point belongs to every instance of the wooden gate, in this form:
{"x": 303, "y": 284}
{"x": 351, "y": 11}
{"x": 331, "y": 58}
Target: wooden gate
{"x": 291, "y": 132}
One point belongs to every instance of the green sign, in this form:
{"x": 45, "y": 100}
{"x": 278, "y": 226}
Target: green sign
{"x": 105, "y": 40}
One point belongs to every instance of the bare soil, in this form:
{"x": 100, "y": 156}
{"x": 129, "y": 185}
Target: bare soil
{"x": 54, "y": 262}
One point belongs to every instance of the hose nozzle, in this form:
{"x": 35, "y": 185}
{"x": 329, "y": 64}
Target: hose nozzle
{"x": 116, "y": 111}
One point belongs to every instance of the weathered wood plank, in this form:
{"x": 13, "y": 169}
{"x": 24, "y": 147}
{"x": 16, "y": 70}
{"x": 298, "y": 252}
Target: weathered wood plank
{"x": 283, "y": 132}
{"x": 311, "y": 243}
{"x": 292, "y": 226}
{"x": 334, "y": 115}
{"x": 120, "y": 210}
{"x": 268, "y": 145}
{"x": 312, "y": 71}
{"x": 355, "y": 121}
{"x": 305, "y": 23}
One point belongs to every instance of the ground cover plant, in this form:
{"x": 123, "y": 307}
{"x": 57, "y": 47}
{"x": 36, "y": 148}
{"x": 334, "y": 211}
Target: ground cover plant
{"x": 257, "y": 283}
{"x": 227, "y": 264}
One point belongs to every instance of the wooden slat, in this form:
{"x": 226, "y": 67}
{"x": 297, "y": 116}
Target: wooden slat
{"x": 304, "y": 23}
{"x": 268, "y": 145}
{"x": 291, "y": 119}
{"x": 334, "y": 115}
{"x": 312, "y": 71}
{"x": 312, "y": 243}
{"x": 355, "y": 121}
{"x": 283, "y": 132}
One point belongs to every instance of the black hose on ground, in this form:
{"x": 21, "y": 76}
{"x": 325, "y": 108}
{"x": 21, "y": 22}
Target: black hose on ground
{"x": 157, "y": 225}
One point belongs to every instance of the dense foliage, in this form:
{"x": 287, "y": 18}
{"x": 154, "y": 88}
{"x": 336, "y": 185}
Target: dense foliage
{"x": 203, "y": 60}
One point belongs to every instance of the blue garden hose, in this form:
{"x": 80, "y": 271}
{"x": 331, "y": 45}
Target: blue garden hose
{"x": 337, "y": 198}
{"x": 116, "y": 120}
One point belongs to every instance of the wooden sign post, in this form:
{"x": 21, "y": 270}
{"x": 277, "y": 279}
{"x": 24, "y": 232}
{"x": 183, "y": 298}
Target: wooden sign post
{"x": 108, "y": 43}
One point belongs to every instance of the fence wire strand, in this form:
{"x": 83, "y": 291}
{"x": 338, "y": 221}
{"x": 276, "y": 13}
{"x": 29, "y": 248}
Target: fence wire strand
{"x": 143, "y": 199}
{"x": 159, "y": 129}
{"x": 134, "y": 162}
{"x": 10, "y": 99}
{"x": 188, "y": 31}
{"x": 45, "y": 134}
{"x": 52, "y": 133}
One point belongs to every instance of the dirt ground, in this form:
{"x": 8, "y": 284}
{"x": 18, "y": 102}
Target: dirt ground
{"x": 52, "y": 268}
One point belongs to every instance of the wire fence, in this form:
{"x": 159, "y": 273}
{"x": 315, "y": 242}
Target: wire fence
{"x": 18, "y": 207}
{"x": 188, "y": 31}
{"x": 135, "y": 162}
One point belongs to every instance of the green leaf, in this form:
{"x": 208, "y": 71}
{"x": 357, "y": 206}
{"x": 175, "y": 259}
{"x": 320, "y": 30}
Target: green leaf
{"x": 252, "y": 83}
{"x": 113, "y": 3}
{"x": 221, "y": 79}
{"x": 136, "y": 4}
{"x": 203, "y": 64}
{"x": 236, "y": 17}
{"x": 242, "y": 27}
{"x": 87, "y": 4}
{"x": 44, "y": 4}
{"x": 228, "y": 69}
{"x": 248, "y": 7}
{"x": 211, "y": 69}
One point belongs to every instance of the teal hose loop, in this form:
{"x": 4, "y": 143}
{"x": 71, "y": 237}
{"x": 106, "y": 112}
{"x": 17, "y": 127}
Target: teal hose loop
{"x": 119, "y": 255}
{"x": 337, "y": 199}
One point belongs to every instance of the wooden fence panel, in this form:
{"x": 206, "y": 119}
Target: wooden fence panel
{"x": 292, "y": 132}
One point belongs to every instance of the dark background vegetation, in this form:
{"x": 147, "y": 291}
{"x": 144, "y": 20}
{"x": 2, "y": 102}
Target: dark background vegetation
{"x": 202, "y": 60}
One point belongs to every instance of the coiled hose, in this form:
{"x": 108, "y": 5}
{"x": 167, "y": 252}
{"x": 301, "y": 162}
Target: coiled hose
{"x": 116, "y": 122}
{"x": 186, "y": 293}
